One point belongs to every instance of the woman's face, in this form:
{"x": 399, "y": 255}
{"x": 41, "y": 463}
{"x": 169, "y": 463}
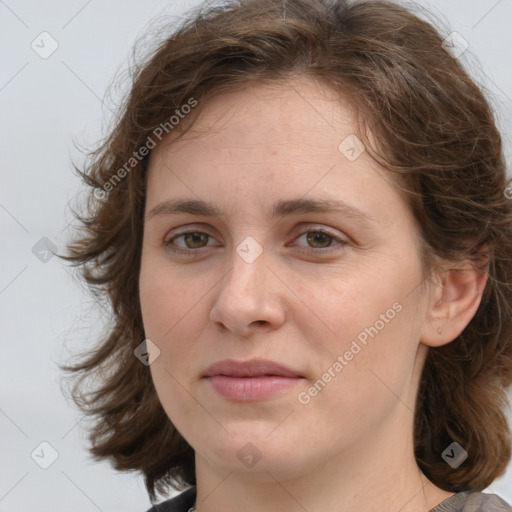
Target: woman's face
{"x": 331, "y": 291}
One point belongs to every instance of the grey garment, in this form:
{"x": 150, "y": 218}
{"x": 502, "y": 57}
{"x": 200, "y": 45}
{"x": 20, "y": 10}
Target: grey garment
{"x": 473, "y": 502}
{"x": 460, "y": 502}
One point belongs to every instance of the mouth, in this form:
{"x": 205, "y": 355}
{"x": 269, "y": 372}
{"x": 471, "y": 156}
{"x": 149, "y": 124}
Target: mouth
{"x": 250, "y": 368}
{"x": 252, "y": 380}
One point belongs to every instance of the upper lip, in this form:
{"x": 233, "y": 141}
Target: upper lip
{"x": 251, "y": 368}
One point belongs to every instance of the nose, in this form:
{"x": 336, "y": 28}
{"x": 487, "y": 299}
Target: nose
{"x": 248, "y": 298}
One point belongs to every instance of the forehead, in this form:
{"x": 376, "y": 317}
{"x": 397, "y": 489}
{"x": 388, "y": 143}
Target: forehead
{"x": 265, "y": 141}
{"x": 281, "y": 126}
{"x": 296, "y": 111}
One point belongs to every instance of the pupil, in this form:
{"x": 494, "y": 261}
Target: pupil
{"x": 315, "y": 237}
{"x": 194, "y": 238}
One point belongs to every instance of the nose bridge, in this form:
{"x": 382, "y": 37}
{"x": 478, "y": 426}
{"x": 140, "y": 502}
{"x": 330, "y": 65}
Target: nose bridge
{"x": 244, "y": 295}
{"x": 246, "y": 277}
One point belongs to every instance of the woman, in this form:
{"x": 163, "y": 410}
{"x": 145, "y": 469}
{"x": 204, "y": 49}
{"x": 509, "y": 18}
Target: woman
{"x": 301, "y": 222}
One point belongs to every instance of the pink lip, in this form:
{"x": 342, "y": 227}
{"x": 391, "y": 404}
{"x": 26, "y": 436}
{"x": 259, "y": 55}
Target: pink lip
{"x": 251, "y": 368}
{"x": 247, "y": 389}
{"x": 250, "y": 380}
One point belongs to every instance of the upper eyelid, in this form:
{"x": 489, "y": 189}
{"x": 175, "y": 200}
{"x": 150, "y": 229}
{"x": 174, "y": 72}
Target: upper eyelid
{"x": 199, "y": 229}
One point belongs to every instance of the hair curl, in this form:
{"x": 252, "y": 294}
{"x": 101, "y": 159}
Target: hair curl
{"x": 432, "y": 128}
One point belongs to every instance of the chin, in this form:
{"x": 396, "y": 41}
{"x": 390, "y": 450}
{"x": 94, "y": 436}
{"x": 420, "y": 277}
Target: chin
{"x": 256, "y": 463}
{"x": 255, "y": 453}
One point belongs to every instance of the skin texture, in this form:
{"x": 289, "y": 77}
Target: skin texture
{"x": 350, "y": 447}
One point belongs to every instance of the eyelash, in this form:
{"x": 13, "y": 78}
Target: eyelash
{"x": 189, "y": 252}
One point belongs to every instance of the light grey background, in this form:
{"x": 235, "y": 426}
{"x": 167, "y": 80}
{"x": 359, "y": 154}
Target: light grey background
{"x": 46, "y": 104}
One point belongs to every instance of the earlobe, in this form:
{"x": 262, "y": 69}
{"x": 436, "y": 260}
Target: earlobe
{"x": 453, "y": 304}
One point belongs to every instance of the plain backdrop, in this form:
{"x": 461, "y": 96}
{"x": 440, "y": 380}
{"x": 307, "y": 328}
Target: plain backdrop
{"x": 47, "y": 105}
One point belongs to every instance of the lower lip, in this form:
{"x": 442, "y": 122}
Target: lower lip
{"x": 246, "y": 389}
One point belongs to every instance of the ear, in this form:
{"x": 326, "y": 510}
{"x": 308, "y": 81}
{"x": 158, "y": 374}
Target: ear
{"x": 453, "y": 303}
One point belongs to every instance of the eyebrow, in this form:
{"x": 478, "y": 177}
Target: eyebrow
{"x": 280, "y": 208}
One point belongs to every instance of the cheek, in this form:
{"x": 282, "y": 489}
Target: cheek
{"x": 168, "y": 300}
{"x": 171, "y": 389}
{"x": 164, "y": 312}
{"x": 172, "y": 309}
{"x": 374, "y": 372}
{"x": 373, "y": 338}
{"x": 359, "y": 384}
{"x": 358, "y": 307}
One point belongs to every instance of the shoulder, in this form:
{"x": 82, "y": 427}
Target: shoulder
{"x": 473, "y": 502}
{"x": 180, "y": 503}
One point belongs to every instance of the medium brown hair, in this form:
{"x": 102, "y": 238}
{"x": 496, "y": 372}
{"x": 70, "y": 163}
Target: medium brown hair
{"x": 431, "y": 127}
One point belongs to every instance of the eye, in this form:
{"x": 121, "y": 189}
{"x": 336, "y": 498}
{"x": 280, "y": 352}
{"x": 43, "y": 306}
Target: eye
{"x": 320, "y": 239}
{"x": 192, "y": 240}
